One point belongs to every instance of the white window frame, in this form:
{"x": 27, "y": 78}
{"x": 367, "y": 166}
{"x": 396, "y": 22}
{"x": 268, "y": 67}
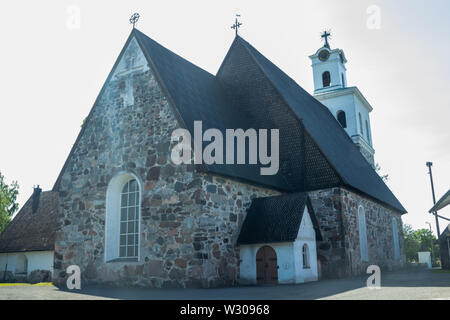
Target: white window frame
{"x": 345, "y": 118}
{"x": 306, "y": 263}
{"x": 131, "y": 204}
{"x": 112, "y": 220}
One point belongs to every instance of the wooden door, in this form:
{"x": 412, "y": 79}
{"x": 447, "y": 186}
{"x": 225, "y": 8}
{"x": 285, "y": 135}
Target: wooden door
{"x": 266, "y": 266}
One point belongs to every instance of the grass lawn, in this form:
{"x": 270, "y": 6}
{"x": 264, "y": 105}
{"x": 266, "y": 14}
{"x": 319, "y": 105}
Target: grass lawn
{"x": 40, "y": 284}
{"x": 440, "y": 271}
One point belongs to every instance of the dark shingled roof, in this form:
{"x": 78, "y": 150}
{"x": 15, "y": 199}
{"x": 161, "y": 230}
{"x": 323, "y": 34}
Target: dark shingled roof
{"x": 276, "y": 219}
{"x": 197, "y": 95}
{"x": 325, "y": 157}
{"x": 32, "y": 231}
{"x": 334, "y": 142}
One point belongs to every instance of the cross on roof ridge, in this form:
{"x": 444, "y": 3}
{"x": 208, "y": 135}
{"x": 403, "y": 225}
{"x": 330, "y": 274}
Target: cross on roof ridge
{"x": 236, "y": 24}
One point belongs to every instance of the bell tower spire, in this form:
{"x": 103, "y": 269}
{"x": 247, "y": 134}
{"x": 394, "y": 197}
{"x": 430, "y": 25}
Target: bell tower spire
{"x": 328, "y": 66}
{"x": 325, "y": 36}
{"x": 347, "y": 104}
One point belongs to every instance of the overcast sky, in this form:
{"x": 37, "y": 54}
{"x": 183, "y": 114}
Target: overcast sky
{"x": 55, "y": 56}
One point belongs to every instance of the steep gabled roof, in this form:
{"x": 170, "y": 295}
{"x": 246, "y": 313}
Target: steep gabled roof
{"x": 276, "y": 219}
{"x": 198, "y": 95}
{"x": 331, "y": 138}
{"x": 32, "y": 230}
{"x": 326, "y": 158}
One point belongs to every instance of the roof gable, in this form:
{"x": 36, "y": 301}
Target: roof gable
{"x": 276, "y": 219}
{"x": 198, "y": 95}
{"x": 330, "y": 137}
{"x": 302, "y": 165}
{"x": 315, "y": 152}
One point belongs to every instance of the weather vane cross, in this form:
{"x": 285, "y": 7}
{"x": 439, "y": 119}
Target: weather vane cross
{"x": 236, "y": 24}
{"x": 325, "y": 35}
{"x": 134, "y": 19}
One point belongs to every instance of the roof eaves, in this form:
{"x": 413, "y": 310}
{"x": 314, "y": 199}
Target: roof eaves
{"x": 444, "y": 200}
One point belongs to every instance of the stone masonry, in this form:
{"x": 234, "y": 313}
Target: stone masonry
{"x": 190, "y": 220}
{"x": 339, "y": 252}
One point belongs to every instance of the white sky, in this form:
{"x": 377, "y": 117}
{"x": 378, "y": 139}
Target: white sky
{"x": 51, "y": 73}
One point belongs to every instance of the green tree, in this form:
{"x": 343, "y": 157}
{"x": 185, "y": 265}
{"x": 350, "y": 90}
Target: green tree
{"x": 412, "y": 245}
{"x": 8, "y": 203}
{"x": 419, "y": 240}
{"x": 384, "y": 177}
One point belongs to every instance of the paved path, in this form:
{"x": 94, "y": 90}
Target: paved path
{"x": 399, "y": 285}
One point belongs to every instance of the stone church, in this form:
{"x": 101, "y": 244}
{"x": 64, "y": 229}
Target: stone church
{"x": 127, "y": 215}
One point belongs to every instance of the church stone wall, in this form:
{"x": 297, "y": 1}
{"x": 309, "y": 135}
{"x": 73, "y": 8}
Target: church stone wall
{"x": 380, "y": 237}
{"x": 189, "y": 220}
{"x": 339, "y": 252}
{"x": 330, "y": 251}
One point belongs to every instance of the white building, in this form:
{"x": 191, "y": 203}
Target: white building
{"x": 278, "y": 241}
{"x": 347, "y": 104}
{"x": 27, "y": 244}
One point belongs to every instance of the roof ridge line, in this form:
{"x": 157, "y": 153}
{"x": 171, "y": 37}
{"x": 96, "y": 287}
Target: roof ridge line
{"x": 248, "y": 46}
{"x": 300, "y": 120}
{"x": 139, "y": 33}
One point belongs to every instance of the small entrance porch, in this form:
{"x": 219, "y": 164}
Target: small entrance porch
{"x": 277, "y": 242}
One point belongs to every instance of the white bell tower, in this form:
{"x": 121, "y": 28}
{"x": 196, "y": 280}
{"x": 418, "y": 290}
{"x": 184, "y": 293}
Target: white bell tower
{"x": 347, "y": 104}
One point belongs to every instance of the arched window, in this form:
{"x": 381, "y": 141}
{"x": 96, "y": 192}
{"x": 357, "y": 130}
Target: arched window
{"x": 122, "y": 217}
{"x": 396, "y": 243}
{"x": 342, "y": 118}
{"x": 361, "y": 124}
{"x": 326, "y": 79}
{"x": 305, "y": 255}
{"x": 129, "y": 222}
{"x": 362, "y": 234}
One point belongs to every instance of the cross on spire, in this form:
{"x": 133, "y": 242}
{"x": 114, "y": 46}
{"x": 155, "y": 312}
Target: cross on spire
{"x": 236, "y": 24}
{"x": 134, "y": 19}
{"x": 325, "y": 35}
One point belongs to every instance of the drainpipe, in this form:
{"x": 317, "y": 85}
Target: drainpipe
{"x": 448, "y": 247}
{"x": 6, "y": 268}
{"x": 429, "y": 165}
